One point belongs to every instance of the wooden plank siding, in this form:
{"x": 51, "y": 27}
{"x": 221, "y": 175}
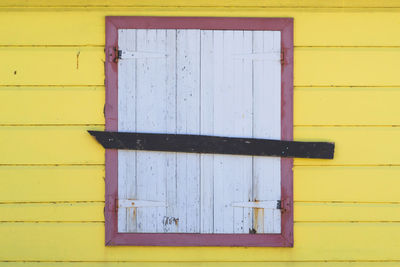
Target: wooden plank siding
{"x": 73, "y": 145}
{"x": 313, "y": 106}
{"x": 347, "y": 87}
{"x": 84, "y": 66}
{"x": 201, "y": 264}
{"x": 82, "y": 241}
{"x": 75, "y": 27}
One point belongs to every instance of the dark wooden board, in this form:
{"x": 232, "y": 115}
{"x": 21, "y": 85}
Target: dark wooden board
{"x": 214, "y": 145}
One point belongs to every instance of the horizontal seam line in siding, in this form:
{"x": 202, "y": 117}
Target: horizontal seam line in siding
{"x": 345, "y": 86}
{"x": 51, "y": 202}
{"x": 51, "y": 124}
{"x": 102, "y": 202}
{"x": 295, "y": 86}
{"x": 346, "y": 165}
{"x": 349, "y": 221}
{"x": 49, "y": 164}
{"x": 49, "y": 45}
{"x": 55, "y": 202}
{"x": 346, "y": 46}
{"x": 198, "y": 6}
{"x": 346, "y": 202}
{"x": 103, "y": 46}
{"x": 194, "y": 261}
{"x": 102, "y": 164}
{"x": 102, "y": 222}
{"x": 51, "y": 85}
{"x": 347, "y": 125}
{"x": 103, "y": 124}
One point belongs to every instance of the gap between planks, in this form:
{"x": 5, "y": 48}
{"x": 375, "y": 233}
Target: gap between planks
{"x": 103, "y": 46}
{"x": 102, "y": 124}
{"x": 300, "y": 86}
{"x": 167, "y": 8}
{"x": 102, "y": 202}
{"x": 203, "y": 261}
{"x": 96, "y": 164}
{"x": 102, "y": 222}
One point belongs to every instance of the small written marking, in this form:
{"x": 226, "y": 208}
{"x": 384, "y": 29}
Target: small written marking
{"x": 170, "y": 220}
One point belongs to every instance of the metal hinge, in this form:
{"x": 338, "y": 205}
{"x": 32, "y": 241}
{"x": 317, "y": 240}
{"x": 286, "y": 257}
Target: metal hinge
{"x": 282, "y": 58}
{"x": 264, "y": 204}
{"x": 279, "y": 204}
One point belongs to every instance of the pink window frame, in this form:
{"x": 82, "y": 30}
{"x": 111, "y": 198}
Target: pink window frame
{"x": 112, "y": 237}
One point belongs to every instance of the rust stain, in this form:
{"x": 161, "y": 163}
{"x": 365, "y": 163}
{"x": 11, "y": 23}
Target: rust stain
{"x": 255, "y": 220}
{"x": 262, "y": 221}
{"x": 77, "y": 59}
{"x": 134, "y": 214}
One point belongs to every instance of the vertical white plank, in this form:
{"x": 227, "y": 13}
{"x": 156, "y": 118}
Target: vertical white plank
{"x": 171, "y": 219}
{"x": 207, "y": 128}
{"x": 188, "y": 122}
{"x": 126, "y": 122}
{"x": 151, "y": 105}
{"x": 245, "y": 96}
{"x": 232, "y": 117}
{"x": 267, "y": 100}
{"x": 218, "y": 46}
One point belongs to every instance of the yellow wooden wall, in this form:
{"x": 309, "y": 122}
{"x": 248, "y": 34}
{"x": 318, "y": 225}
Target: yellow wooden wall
{"x": 347, "y": 90}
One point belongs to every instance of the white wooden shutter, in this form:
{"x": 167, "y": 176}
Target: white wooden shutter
{"x": 223, "y": 83}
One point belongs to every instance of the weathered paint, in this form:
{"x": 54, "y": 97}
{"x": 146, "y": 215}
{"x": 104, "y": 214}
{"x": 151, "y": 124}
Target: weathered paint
{"x": 143, "y": 108}
{"x": 346, "y": 73}
{"x": 161, "y": 90}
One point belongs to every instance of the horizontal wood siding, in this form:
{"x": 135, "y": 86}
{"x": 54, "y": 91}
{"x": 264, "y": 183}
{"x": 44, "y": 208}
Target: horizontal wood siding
{"x": 347, "y": 87}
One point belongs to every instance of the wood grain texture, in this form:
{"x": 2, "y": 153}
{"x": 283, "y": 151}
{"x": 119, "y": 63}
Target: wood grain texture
{"x": 146, "y": 94}
{"x": 332, "y": 241}
{"x": 267, "y": 124}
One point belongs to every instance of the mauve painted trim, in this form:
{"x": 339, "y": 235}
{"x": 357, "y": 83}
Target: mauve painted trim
{"x": 112, "y": 237}
{"x": 111, "y": 115}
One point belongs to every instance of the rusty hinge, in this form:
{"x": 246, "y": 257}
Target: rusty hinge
{"x": 285, "y": 204}
{"x": 282, "y": 58}
{"x": 113, "y": 54}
